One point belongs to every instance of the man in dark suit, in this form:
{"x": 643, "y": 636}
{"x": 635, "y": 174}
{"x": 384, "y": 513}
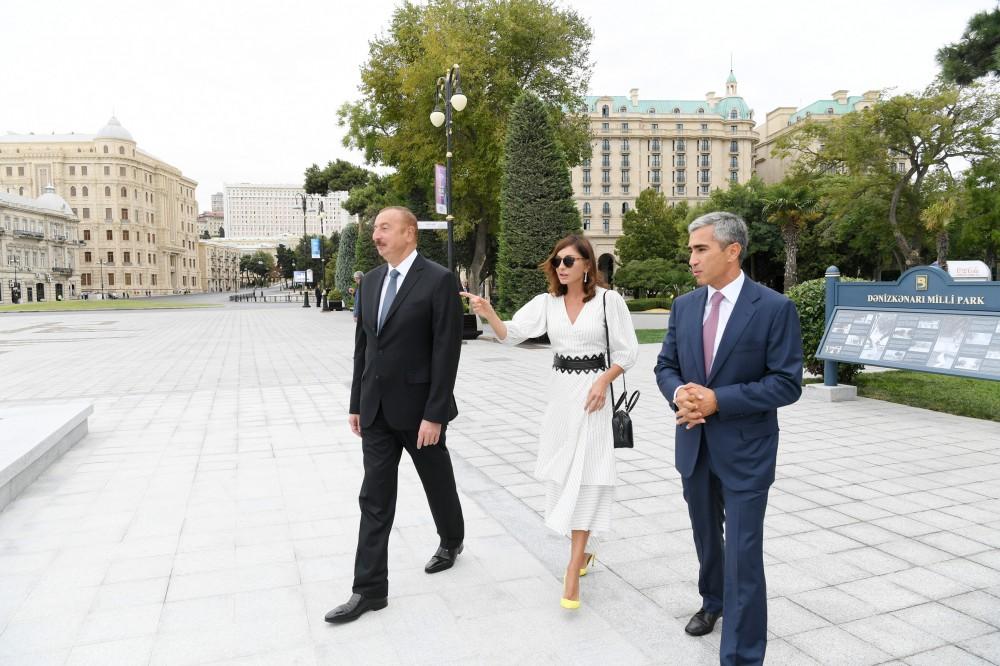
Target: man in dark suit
{"x": 732, "y": 355}
{"x": 407, "y": 344}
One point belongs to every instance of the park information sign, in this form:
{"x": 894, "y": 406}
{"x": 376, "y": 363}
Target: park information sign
{"x": 925, "y": 321}
{"x": 298, "y": 277}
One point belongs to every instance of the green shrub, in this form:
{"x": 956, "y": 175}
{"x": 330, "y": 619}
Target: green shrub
{"x": 334, "y": 295}
{"x": 641, "y": 304}
{"x": 810, "y": 300}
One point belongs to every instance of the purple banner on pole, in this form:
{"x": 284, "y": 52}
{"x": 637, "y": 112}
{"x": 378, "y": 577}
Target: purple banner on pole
{"x": 440, "y": 189}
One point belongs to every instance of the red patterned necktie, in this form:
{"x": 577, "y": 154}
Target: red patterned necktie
{"x": 708, "y": 331}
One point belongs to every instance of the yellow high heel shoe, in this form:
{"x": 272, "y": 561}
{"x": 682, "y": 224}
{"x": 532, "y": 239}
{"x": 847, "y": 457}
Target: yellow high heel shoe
{"x": 591, "y": 558}
{"x": 570, "y": 604}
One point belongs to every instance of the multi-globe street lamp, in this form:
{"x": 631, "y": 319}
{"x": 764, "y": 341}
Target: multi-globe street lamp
{"x": 448, "y": 96}
{"x": 305, "y": 237}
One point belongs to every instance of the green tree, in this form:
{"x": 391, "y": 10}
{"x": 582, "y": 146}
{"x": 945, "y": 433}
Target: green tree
{"x": 504, "y": 48}
{"x": 652, "y": 229}
{"x": 286, "y": 261}
{"x": 536, "y": 202}
{"x": 976, "y": 54}
{"x": 338, "y": 176}
{"x": 895, "y": 146}
{"x": 259, "y": 264}
{"x": 977, "y": 232}
{"x": 655, "y": 277}
{"x": 791, "y": 206}
{"x": 343, "y": 278}
{"x": 366, "y": 256}
{"x": 945, "y": 202}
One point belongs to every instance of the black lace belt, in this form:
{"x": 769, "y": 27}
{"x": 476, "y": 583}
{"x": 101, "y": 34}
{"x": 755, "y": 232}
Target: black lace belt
{"x": 578, "y": 363}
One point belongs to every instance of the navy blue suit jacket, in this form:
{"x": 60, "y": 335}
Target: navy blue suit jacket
{"x": 757, "y": 369}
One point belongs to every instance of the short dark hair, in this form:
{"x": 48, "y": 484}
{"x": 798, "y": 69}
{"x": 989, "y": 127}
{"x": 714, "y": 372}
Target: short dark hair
{"x": 408, "y": 217}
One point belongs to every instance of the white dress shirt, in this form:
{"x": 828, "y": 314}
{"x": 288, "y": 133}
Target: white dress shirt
{"x": 729, "y": 295}
{"x": 403, "y": 268}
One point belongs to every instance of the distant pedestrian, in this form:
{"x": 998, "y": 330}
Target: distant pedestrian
{"x": 355, "y": 292}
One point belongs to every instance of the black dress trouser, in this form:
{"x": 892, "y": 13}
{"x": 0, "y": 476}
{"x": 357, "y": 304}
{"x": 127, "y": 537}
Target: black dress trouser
{"x": 382, "y": 447}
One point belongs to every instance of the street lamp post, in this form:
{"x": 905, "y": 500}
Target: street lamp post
{"x": 101, "y": 262}
{"x": 15, "y": 286}
{"x": 449, "y": 94}
{"x": 305, "y": 286}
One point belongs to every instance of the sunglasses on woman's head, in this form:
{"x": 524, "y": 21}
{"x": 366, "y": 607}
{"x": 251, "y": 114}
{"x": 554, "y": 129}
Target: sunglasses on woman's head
{"x": 566, "y": 261}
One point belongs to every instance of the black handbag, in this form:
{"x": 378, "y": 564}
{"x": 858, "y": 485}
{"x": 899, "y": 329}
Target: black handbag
{"x": 621, "y": 422}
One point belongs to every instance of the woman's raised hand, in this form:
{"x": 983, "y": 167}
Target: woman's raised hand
{"x": 481, "y": 306}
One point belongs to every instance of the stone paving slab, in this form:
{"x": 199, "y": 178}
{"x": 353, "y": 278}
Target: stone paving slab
{"x": 211, "y": 515}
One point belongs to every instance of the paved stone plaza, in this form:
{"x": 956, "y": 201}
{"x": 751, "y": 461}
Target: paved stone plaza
{"x": 210, "y": 516}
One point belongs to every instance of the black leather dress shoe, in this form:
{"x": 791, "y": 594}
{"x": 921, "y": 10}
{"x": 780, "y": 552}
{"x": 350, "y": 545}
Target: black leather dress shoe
{"x": 443, "y": 559}
{"x": 702, "y": 623}
{"x": 355, "y": 607}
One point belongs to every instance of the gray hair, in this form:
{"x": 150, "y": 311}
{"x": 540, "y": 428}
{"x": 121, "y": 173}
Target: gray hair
{"x": 726, "y": 228}
{"x": 358, "y": 274}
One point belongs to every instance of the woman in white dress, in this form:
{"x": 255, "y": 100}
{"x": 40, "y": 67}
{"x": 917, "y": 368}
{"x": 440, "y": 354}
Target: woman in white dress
{"x": 576, "y": 459}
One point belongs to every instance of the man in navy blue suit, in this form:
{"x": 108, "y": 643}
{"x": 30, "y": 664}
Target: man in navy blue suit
{"x": 732, "y": 355}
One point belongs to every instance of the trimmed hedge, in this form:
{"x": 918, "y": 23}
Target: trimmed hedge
{"x": 641, "y": 304}
{"x": 810, "y": 300}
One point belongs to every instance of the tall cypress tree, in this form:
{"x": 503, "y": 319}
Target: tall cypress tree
{"x": 366, "y": 256}
{"x": 536, "y": 202}
{"x": 345, "y": 257}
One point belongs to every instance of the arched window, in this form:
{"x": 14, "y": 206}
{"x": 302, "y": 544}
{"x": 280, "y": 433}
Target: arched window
{"x": 607, "y": 208}
{"x": 124, "y": 192}
{"x": 586, "y": 209}
{"x": 605, "y": 111}
{"x": 701, "y": 109}
{"x": 72, "y": 191}
{"x": 105, "y": 149}
{"x": 652, "y": 110}
{"x": 624, "y": 207}
{"x": 677, "y": 109}
{"x": 622, "y": 108}
{"x": 86, "y": 192}
{"x": 829, "y": 110}
{"x": 107, "y": 191}
{"x": 734, "y": 114}
{"x": 121, "y": 150}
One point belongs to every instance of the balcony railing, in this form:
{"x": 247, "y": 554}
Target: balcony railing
{"x": 22, "y": 233}
{"x": 62, "y": 270}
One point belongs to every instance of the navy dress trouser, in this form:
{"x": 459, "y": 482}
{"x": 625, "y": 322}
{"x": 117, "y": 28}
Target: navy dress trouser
{"x": 728, "y": 528}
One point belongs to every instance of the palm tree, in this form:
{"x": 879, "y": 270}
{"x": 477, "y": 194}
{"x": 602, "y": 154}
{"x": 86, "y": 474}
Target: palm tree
{"x": 790, "y": 206}
{"x": 945, "y": 205}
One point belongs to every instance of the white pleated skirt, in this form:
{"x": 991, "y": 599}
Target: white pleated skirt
{"x": 590, "y": 510}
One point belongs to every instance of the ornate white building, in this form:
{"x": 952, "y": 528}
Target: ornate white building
{"x": 39, "y": 240}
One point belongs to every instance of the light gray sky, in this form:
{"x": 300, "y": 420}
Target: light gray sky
{"x": 246, "y": 90}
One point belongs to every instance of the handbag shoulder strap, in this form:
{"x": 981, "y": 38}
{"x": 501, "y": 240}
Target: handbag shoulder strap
{"x": 607, "y": 342}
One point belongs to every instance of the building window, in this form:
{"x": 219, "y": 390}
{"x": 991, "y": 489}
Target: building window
{"x": 656, "y": 126}
{"x": 127, "y": 257}
{"x": 624, "y": 189}
{"x": 586, "y": 189}
{"x": 88, "y": 257}
{"x": 124, "y": 193}
{"x": 606, "y": 224}
{"x": 606, "y": 160}
{"x": 20, "y": 171}
{"x": 586, "y": 224}
{"x": 606, "y": 145}
{"x": 734, "y": 176}
{"x": 85, "y": 191}
{"x": 734, "y": 114}
{"x": 624, "y": 127}
{"x": 654, "y": 145}
{"x": 606, "y": 208}
{"x": 625, "y": 176}
{"x": 125, "y": 213}
{"x": 72, "y": 171}
{"x": 704, "y": 190}
{"x": 606, "y": 127}
{"x": 679, "y": 145}
{"x": 125, "y": 235}
{"x": 704, "y": 177}
{"x": 83, "y": 171}
{"x": 734, "y": 146}
{"x": 701, "y": 109}
{"x": 622, "y": 109}
{"x": 625, "y": 163}
{"x": 72, "y": 191}
{"x": 734, "y": 162}
{"x": 153, "y": 278}
{"x": 107, "y": 214}
{"x": 680, "y": 176}
{"x": 111, "y": 257}
{"x": 586, "y": 208}
{"x": 679, "y": 127}
{"x": 624, "y": 207}
{"x": 586, "y": 176}
{"x": 605, "y": 111}
{"x": 121, "y": 171}
{"x": 703, "y": 160}
{"x": 606, "y": 176}
{"x": 85, "y": 279}
{"x": 681, "y": 190}
{"x": 105, "y": 149}
{"x": 121, "y": 150}
{"x": 605, "y": 189}
{"x": 652, "y": 109}
{"x": 107, "y": 170}
{"x": 86, "y": 234}
{"x": 110, "y": 235}
{"x": 86, "y": 213}
{"x": 107, "y": 191}
{"x": 625, "y": 147}
{"x": 655, "y": 177}
{"x": 677, "y": 110}
{"x": 10, "y": 171}
{"x": 703, "y": 145}
{"x": 128, "y": 279}
{"x": 829, "y": 110}
{"x": 704, "y": 127}
{"x": 111, "y": 278}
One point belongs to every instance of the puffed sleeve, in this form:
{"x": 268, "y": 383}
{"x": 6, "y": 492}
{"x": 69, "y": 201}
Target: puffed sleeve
{"x": 528, "y": 322}
{"x": 621, "y": 332}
